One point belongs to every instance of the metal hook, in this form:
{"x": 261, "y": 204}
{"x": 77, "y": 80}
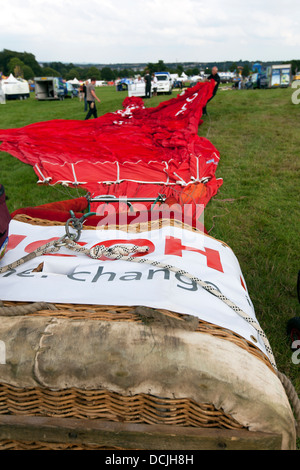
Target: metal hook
{"x": 77, "y": 225}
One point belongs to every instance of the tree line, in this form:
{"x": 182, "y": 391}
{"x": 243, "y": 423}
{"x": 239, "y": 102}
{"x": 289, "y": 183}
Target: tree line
{"x": 25, "y": 65}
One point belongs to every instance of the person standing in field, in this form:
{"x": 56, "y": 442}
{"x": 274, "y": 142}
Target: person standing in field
{"x": 91, "y": 98}
{"x": 84, "y": 96}
{"x": 80, "y": 92}
{"x": 154, "y": 81}
{"x": 148, "y": 84}
{"x": 216, "y": 77}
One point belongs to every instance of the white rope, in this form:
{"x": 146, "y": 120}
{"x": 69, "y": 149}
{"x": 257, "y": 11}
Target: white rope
{"x": 49, "y": 247}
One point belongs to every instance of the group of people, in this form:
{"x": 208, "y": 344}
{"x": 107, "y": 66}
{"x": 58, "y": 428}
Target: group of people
{"x": 90, "y": 97}
{"x": 150, "y": 83}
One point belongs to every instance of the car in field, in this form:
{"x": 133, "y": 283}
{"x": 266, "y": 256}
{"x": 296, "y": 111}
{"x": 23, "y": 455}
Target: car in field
{"x": 70, "y": 90}
{"x": 258, "y": 80}
{"x": 164, "y": 82}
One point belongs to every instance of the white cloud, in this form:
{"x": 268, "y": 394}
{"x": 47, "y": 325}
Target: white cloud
{"x": 108, "y": 31}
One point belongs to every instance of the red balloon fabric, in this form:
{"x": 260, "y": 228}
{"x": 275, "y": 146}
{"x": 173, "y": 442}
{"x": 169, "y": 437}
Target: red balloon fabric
{"x": 132, "y": 152}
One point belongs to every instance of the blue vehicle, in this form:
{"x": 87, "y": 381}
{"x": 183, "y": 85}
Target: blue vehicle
{"x": 258, "y": 80}
{"x": 123, "y": 84}
{"x": 70, "y": 90}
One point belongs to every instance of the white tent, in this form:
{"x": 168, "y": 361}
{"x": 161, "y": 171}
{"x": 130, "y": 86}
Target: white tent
{"x": 10, "y": 80}
{"x": 101, "y": 82}
{"x": 15, "y": 88}
{"x": 74, "y": 81}
{"x": 196, "y": 78}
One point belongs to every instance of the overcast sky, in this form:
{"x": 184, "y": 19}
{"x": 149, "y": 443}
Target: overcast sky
{"x": 129, "y": 31}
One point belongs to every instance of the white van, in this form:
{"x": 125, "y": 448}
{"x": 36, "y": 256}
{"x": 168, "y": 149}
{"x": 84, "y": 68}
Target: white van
{"x": 164, "y": 82}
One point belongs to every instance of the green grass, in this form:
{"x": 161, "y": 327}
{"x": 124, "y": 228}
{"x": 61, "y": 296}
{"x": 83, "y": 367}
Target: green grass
{"x": 256, "y": 211}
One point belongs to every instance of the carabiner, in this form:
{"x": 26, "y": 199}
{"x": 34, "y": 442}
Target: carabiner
{"x": 77, "y": 225}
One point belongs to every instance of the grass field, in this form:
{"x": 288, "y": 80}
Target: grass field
{"x": 256, "y": 211}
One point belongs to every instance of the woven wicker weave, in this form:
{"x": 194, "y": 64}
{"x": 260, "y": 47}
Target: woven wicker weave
{"x": 102, "y": 404}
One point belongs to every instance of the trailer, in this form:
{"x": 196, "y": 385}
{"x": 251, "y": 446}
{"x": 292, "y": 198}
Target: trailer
{"x": 281, "y": 75}
{"x": 15, "y": 88}
{"x": 137, "y": 89}
{"x": 49, "y": 88}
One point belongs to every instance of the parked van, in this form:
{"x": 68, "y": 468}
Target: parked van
{"x": 15, "y": 88}
{"x": 164, "y": 82}
{"x": 49, "y": 88}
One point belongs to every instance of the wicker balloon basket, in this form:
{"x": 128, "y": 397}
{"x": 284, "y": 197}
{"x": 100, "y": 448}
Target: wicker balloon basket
{"x": 119, "y": 377}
